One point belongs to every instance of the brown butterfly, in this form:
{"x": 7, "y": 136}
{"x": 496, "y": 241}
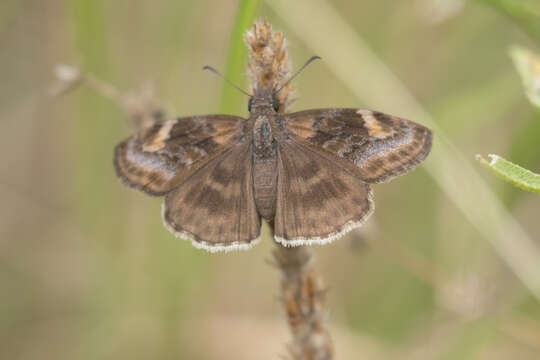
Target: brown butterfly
{"x": 308, "y": 173}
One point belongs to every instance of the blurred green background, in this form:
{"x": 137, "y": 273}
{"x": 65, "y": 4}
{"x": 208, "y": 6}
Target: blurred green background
{"x": 87, "y": 271}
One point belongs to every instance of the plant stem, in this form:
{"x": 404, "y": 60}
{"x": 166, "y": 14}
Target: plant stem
{"x": 304, "y": 298}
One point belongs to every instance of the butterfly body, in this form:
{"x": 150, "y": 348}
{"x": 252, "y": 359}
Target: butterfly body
{"x": 309, "y": 171}
{"x": 265, "y": 140}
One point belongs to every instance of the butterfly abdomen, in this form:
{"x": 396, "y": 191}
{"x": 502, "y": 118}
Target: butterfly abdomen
{"x": 264, "y": 184}
{"x": 264, "y": 167}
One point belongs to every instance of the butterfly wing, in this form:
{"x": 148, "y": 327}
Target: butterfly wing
{"x": 380, "y": 146}
{"x": 157, "y": 158}
{"x": 215, "y": 206}
{"x": 318, "y": 200}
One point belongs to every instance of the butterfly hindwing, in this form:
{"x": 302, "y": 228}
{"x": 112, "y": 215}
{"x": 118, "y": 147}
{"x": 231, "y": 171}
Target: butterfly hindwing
{"x": 215, "y": 206}
{"x": 317, "y": 199}
{"x": 381, "y": 146}
{"x": 155, "y": 159}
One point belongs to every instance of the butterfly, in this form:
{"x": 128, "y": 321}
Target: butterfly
{"x": 307, "y": 173}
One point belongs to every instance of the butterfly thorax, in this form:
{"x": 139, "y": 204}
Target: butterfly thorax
{"x": 264, "y": 157}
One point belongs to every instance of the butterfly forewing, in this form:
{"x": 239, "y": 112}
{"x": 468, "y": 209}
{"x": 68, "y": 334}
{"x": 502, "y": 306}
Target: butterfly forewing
{"x": 380, "y": 146}
{"x": 157, "y": 158}
{"x": 317, "y": 199}
{"x": 215, "y": 206}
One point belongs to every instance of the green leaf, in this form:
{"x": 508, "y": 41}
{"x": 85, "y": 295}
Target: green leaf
{"x": 528, "y": 67}
{"x": 231, "y": 99}
{"x": 520, "y": 177}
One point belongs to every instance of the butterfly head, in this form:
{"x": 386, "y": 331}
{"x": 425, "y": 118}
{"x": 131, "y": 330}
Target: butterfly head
{"x": 264, "y": 99}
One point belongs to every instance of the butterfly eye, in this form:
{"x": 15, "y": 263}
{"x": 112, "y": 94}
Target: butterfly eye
{"x": 249, "y": 104}
{"x": 275, "y": 102}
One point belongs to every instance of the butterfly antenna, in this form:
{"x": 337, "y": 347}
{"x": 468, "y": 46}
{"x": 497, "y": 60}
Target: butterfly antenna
{"x": 224, "y": 78}
{"x": 310, "y": 60}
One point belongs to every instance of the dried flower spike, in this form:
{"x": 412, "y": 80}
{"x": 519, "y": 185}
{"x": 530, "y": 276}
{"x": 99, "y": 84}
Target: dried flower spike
{"x": 269, "y": 64}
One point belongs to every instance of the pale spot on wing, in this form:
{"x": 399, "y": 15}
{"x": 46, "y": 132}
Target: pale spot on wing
{"x": 149, "y": 164}
{"x": 224, "y": 135}
{"x": 335, "y": 146}
{"x": 158, "y": 142}
{"x": 377, "y": 150}
{"x": 305, "y": 131}
{"x": 374, "y": 127}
